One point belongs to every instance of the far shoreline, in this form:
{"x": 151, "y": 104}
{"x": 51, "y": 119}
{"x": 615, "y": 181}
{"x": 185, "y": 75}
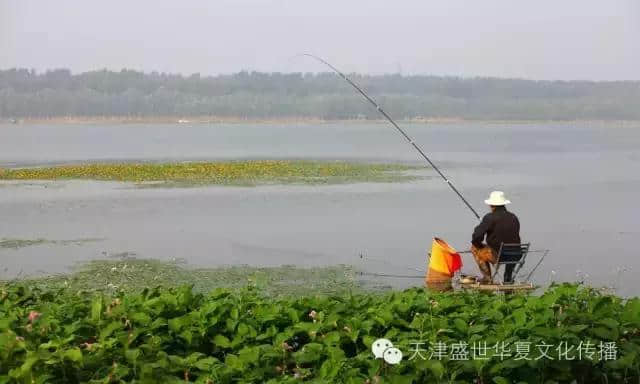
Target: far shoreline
{"x": 127, "y": 120}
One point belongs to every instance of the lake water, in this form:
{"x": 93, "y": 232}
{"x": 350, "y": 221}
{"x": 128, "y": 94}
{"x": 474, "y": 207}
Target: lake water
{"x": 574, "y": 186}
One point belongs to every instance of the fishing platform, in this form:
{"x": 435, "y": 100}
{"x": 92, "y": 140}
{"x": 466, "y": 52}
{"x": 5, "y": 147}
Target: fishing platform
{"x": 445, "y": 262}
{"x": 495, "y": 287}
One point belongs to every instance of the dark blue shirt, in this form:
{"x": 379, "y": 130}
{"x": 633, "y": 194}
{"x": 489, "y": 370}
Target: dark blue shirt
{"x": 500, "y": 226}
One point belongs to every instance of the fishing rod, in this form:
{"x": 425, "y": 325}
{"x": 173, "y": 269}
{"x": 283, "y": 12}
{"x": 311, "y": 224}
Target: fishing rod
{"x": 409, "y": 139}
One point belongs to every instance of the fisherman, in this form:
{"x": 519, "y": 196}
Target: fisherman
{"x": 499, "y": 226}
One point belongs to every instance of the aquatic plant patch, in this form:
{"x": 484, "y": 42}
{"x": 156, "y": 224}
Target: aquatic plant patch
{"x": 174, "y": 335}
{"x": 21, "y": 243}
{"x": 132, "y": 275}
{"x": 232, "y": 172}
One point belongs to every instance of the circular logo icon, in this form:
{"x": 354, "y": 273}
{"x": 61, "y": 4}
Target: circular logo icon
{"x": 392, "y": 355}
{"x": 379, "y": 346}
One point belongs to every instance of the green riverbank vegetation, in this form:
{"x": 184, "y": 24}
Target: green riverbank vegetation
{"x": 51, "y": 333}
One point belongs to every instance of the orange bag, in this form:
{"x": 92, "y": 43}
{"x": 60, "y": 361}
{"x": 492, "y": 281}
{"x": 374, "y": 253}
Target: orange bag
{"x": 444, "y": 258}
{"x": 444, "y": 262}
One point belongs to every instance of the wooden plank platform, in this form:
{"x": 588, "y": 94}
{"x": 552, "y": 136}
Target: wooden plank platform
{"x": 499, "y": 287}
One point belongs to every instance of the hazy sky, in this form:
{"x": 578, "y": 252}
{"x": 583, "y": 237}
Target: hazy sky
{"x": 539, "y": 39}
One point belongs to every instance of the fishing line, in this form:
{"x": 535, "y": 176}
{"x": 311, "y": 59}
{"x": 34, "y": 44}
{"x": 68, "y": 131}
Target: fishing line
{"x": 366, "y": 258}
{"x": 389, "y": 275}
{"x": 407, "y": 137}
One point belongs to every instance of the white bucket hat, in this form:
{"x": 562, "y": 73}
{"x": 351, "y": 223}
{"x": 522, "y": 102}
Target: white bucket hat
{"x": 496, "y": 198}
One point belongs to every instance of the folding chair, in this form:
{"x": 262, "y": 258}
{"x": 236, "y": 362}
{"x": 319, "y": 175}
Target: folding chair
{"x": 512, "y": 256}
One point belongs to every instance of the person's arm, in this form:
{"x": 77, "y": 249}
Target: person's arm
{"x": 481, "y": 230}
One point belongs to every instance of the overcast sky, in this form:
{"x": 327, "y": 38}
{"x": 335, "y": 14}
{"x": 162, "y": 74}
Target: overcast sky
{"x": 536, "y": 39}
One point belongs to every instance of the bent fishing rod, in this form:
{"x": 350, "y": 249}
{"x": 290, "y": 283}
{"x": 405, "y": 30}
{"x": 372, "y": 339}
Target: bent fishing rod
{"x": 402, "y": 132}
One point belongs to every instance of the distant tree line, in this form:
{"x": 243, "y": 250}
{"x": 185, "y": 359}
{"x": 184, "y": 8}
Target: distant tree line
{"x": 59, "y": 93}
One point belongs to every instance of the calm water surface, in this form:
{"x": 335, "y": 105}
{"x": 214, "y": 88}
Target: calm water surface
{"x": 574, "y": 186}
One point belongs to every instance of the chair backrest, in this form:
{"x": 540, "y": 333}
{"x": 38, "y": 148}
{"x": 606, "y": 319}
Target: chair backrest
{"x": 513, "y": 253}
